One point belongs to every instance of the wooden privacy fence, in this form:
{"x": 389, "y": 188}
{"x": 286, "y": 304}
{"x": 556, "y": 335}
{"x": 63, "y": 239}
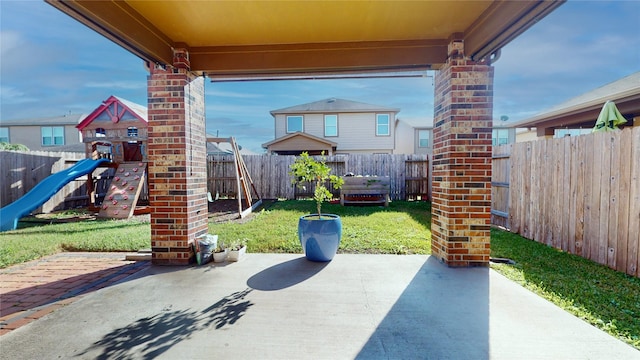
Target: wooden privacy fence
{"x": 24, "y": 169}
{"x": 580, "y": 194}
{"x": 409, "y": 174}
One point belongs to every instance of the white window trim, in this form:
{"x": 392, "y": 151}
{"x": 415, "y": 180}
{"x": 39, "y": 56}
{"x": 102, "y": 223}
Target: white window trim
{"x": 53, "y": 137}
{"x": 325, "y": 125}
{"x": 428, "y": 139}
{"x": 388, "y": 125}
{"x": 287, "y": 123}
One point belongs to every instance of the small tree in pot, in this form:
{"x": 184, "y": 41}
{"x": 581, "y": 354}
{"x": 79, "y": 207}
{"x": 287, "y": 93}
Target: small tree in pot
{"x": 307, "y": 169}
{"x": 319, "y": 233}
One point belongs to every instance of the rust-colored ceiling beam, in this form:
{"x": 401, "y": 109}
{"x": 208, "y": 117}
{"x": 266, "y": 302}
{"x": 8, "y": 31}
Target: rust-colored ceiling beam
{"x": 118, "y": 22}
{"x": 502, "y": 22}
{"x": 318, "y": 58}
{"x": 121, "y": 23}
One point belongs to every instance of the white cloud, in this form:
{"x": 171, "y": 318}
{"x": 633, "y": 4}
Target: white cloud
{"x": 577, "y": 48}
{"x": 122, "y": 84}
{"x": 219, "y": 107}
{"x": 10, "y": 95}
{"x": 10, "y": 40}
{"x": 58, "y": 64}
{"x": 230, "y": 94}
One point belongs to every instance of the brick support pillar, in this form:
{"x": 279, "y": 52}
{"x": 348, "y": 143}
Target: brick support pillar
{"x": 177, "y": 161}
{"x": 461, "y": 207}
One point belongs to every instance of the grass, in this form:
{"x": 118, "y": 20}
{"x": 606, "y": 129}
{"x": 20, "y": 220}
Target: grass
{"x": 365, "y": 230}
{"x": 605, "y": 298}
{"x": 34, "y": 240}
{"x": 401, "y": 228}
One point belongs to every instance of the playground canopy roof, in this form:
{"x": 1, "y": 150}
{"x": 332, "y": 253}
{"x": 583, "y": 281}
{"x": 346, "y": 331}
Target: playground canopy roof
{"x": 246, "y": 39}
{"x": 116, "y": 109}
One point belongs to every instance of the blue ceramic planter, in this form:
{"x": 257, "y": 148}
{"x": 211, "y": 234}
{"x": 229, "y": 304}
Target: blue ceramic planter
{"x": 320, "y": 238}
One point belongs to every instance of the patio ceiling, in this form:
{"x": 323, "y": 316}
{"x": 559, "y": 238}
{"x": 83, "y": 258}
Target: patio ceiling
{"x": 268, "y": 38}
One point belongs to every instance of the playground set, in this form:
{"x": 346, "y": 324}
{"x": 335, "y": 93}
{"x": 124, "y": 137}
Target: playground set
{"x": 115, "y": 138}
{"x": 117, "y": 131}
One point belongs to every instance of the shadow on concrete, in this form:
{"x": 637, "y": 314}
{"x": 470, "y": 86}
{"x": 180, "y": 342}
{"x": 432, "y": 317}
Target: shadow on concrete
{"x": 442, "y": 314}
{"x": 285, "y": 275}
{"x": 149, "y": 337}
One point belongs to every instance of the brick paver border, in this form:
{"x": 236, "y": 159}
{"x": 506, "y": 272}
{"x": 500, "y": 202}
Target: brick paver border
{"x": 36, "y": 288}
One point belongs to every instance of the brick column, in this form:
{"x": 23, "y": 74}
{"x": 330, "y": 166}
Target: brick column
{"x": 177, "y": 161}
{"x": 461, "y": 207}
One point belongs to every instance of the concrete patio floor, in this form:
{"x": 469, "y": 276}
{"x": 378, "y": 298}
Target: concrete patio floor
{"x": 280, "y": 306}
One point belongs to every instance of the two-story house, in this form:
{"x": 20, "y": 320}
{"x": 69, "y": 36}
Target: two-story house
{"x": 334, "y": 126}
{"x": 57, "y": 133}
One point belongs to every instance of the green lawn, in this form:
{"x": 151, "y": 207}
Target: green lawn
{"x": 34, "y": 240}
{"x": 401, "y": 228}
{"x": 605, "y": 298}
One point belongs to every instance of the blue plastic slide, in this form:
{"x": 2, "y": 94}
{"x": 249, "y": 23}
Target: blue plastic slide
{"x": 43, "y": 191}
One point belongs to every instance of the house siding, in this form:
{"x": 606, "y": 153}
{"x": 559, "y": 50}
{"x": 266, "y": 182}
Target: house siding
{"x": 403, "y": 134}
{"x": 416, "y": 141}
{"x": 300, "y": 143}
{"x": 30, "y": 136}
{"x": 281, "y": 125}
{"x": 356, "y": 131}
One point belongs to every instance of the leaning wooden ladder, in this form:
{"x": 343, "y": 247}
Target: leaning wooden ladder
{"x": 244, "y": 183}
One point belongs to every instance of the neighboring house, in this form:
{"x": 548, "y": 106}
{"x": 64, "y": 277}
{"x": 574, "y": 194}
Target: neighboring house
{"x": 415, "y": 137}
{"x": 56, "y": 133}
{"x": 411, "y": 139}
{"x": 337, "y": 126}
{"x": 578, "y": 115}
{"x": 502, "y": 135}
{"x": 224, "y": 148}
{"x": 525, "y": 134}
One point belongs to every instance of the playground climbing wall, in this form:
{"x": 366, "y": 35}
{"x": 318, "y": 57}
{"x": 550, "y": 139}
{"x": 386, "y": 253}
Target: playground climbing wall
{"x": 122, "y": 196}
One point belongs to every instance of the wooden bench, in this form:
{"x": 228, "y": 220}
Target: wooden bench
{"x": 365, "y": 190}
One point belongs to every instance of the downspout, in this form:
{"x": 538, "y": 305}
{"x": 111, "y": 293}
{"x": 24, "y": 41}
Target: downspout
{"x": 395, "y": 134}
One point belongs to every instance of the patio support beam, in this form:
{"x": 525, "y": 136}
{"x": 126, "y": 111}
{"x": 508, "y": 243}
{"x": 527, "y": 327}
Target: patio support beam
{"x": 461, "y": 207}
{"x": 177, "y": 161}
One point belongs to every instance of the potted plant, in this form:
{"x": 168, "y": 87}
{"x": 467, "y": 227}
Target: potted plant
{"x": 319, "y": 233}
{"x": 220, "y": 253}
{"x": 237, "y": 249}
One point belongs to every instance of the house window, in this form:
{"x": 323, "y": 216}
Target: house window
{"x": 382, "y": 125}
{"x": 559, "y": 133}
{"x": 423, "y": 138}
{"x": 100, "y": 132}
{"x": 331, "y": 125}
{"x": 4, "y": 134}
{"x": 52, "y": 135}
{"x": 132, "y": 131}
{"x": 294, "y": 124}
{"x": 500, "y": 137}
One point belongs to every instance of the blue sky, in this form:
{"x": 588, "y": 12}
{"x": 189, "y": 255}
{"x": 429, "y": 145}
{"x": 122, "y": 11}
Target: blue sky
{"x": 51, "y": 65}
